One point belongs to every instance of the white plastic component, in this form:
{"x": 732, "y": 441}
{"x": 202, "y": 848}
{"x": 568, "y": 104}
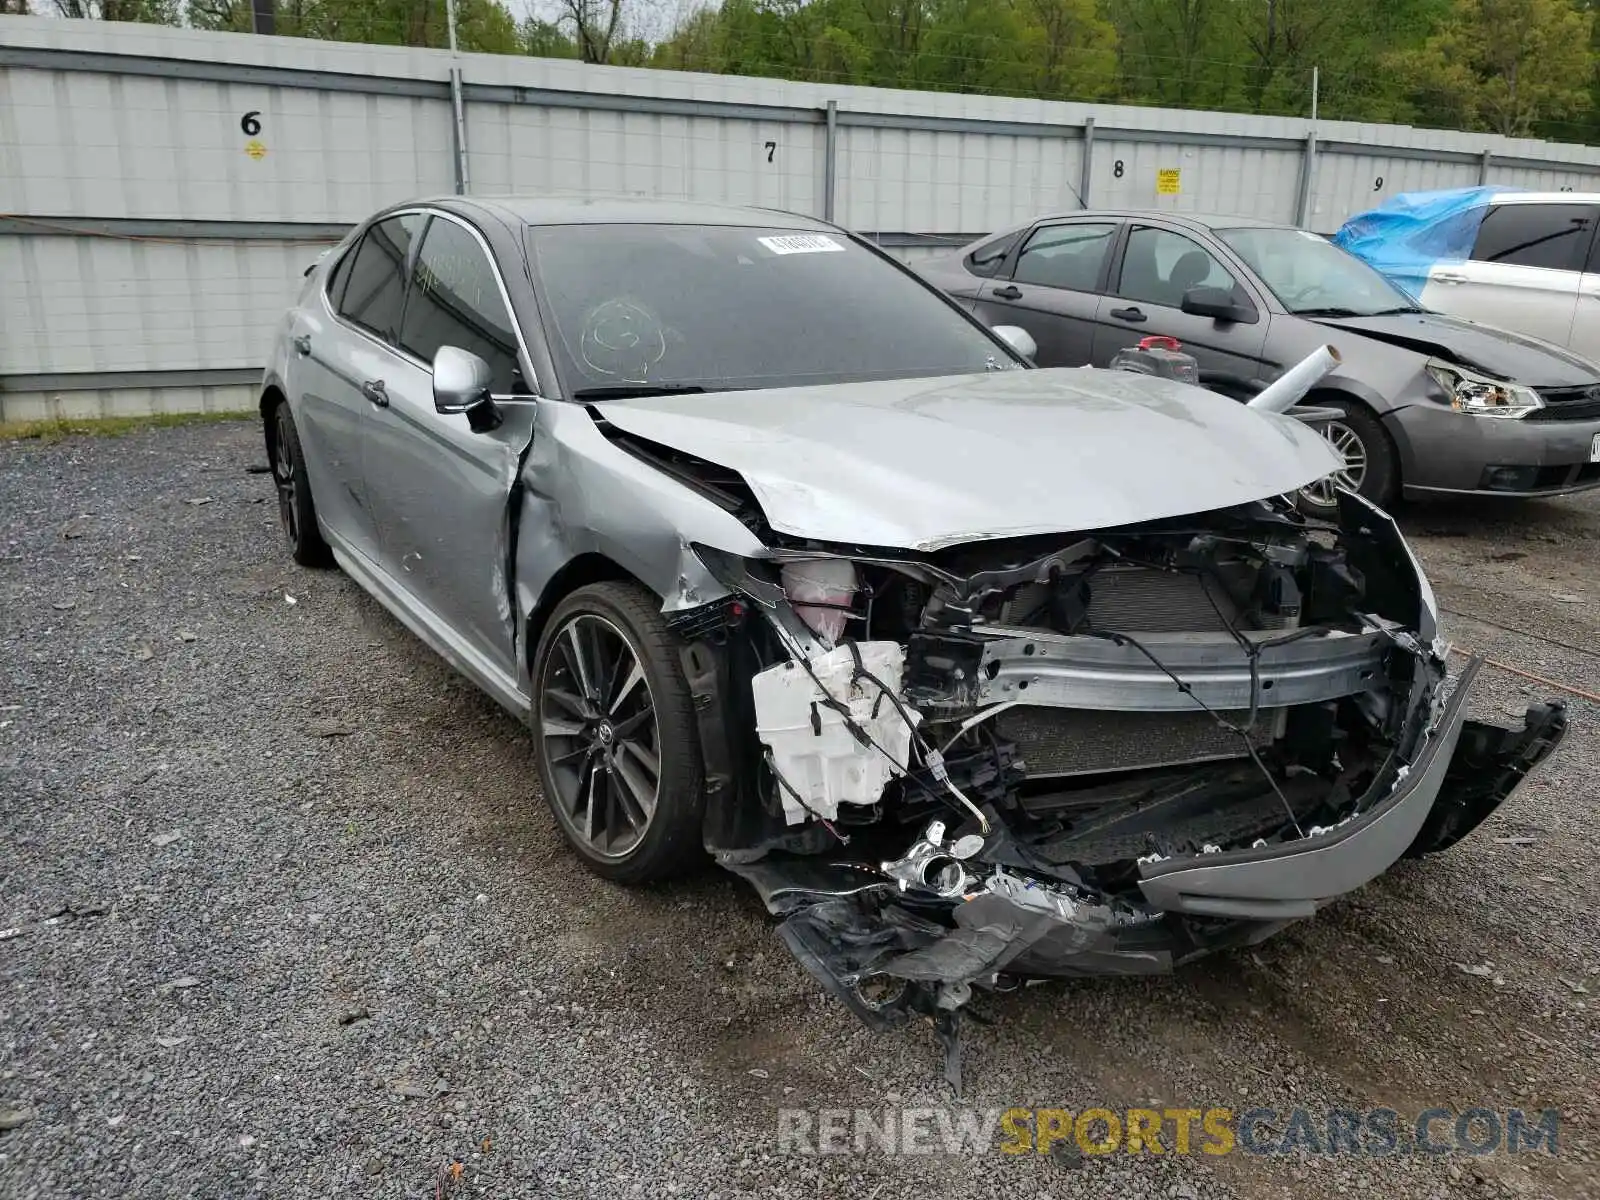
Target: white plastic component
{"x": 1290, "y": 388}
{"x": 811, "y": 746}
{"x": 820, "y": 589}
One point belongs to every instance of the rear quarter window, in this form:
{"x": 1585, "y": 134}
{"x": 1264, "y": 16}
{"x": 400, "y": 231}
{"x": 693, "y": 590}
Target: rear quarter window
{"x": 338, "y": 276}
{"x": 374, "y": 292}
{"x": 987, "y": 258}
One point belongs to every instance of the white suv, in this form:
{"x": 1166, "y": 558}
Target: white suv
{"x": 1533, "y": 268}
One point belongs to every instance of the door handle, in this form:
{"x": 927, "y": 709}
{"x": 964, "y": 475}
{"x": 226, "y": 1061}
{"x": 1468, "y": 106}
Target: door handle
{"x": 1450, "y": 277}
{"x": 376, "y": 391}
{"x": 1128, "y": 314}
{"x": 1008, "y": 292}
{"x": 303, "y": 344}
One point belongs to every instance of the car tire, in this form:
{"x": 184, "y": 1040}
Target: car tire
{"x": 297, "y": 511}
{"x": 1371, "y": 463}
{"x": 611, "y": 709}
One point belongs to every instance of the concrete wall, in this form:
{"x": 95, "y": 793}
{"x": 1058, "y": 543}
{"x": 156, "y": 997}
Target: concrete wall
{"x": 149, "y": 240}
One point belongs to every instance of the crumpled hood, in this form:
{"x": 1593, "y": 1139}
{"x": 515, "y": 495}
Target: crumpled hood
{"x": 1487, "y": 348}
{"x": 919, "y": 464}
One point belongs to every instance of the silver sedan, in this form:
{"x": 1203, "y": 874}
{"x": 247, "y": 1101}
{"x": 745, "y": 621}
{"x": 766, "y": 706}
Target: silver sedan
{"x": 975, "y": 672}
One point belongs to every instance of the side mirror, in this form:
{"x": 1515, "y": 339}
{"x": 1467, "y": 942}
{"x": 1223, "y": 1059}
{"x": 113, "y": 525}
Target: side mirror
{"x": 1217, "y": 303}
{"x": 461, "y": 382}
{"x": 1019, "y": 339}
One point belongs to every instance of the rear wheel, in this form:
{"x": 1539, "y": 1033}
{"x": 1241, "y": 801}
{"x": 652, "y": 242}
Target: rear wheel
{"x": 296, "y": 511}
{"x": 617, "y": 747}
{"x": 1370, "y": 464}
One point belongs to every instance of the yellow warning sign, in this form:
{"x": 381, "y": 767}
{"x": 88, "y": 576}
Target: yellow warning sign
{"x": 255, "y": 149}
{"x": 1167, "y": 181}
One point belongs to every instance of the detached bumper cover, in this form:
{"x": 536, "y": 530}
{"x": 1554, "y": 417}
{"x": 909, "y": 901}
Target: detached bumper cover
{"x": 1448, "y": 790}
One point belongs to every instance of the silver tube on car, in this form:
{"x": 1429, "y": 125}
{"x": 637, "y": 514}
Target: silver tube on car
{"x": 1290, "y": 388}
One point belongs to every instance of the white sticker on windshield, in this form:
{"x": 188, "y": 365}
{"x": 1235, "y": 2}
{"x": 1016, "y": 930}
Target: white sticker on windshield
{"x": 800, "y": 243}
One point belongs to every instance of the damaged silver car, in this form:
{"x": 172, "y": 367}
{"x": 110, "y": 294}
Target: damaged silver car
{"x": 977, "y": 673}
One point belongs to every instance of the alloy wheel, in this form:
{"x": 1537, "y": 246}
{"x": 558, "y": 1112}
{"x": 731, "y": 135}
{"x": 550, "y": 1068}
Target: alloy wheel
{"x": 286, "y": 474}
{"x": 601, "y": 740}
{"x": 1354, "y": 472}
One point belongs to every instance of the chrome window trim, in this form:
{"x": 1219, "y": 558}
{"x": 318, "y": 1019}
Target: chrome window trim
{"x": 525, "y": 361}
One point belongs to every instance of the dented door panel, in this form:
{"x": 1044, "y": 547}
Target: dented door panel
{"x": 442, "y": 496}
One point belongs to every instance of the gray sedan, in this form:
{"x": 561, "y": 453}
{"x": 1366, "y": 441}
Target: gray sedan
{"x": 975, "y": 672}
{"x": 1429, "y": 404}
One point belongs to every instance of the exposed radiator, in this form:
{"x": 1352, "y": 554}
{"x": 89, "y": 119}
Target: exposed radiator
{"x": 1056, "y": 742}
{"x": 1133, "y": 599}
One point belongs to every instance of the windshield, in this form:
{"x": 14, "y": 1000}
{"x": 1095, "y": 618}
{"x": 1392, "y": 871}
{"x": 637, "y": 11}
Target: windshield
{"x": 1313, "y": 277}
{"x": 652, "y": 308}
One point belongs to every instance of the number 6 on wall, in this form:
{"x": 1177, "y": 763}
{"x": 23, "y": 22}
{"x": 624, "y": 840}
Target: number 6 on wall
{"x": 249, "y": 124}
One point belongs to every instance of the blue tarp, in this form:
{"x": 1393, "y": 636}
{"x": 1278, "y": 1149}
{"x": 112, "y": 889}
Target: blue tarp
{"x": 1408, "y": 233}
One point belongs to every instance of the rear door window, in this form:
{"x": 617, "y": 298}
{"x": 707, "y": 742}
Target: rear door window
{"x": 375, "y": 290}
{"x": 455, "y": 300}
{"x": 1066, "y": 256}
{"x": 1553, "y": 236}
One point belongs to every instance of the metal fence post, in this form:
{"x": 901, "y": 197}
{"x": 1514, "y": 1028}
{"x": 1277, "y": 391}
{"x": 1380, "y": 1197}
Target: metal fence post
{"x": 1308, "y": 172}
{"x": 458, "y": 103}
{"x": 830, "y": 147}
{"x": 1483, "y": 168}
{"x": 1086, "y": 167}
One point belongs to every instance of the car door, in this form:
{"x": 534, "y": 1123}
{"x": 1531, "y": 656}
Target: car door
{"x": 440, "y": 490}
{"x": 1525, "y": 271}
{"x": 339, "y": 345}
{"x": 962, "y": 276}
{"x": 1155, "y": 267}
{"x": 1051, "y": 289}
{"x": 1585, "y": 339}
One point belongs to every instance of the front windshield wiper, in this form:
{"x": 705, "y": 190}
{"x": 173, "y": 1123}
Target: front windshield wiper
{"x": 632, "y": 391}
{"x": 1351, "y": 312}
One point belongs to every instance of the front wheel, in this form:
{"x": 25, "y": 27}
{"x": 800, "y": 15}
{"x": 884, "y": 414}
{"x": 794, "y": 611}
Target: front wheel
{"x": 617, "y": 746}
{"x": 297, "y": 513}
{"x": 1370, "y": 467}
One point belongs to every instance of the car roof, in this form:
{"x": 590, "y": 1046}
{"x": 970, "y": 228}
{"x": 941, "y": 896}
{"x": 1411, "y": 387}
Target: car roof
{"x": 624, "y": 210}
{"x": 1545, "y": 198}
{"x": 1200, "y": 221}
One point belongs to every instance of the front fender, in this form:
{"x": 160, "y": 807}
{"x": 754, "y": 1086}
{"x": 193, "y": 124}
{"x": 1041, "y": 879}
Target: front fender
{"x": 580, "y": 495}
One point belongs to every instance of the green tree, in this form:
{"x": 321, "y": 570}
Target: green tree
{"x": 596, "y": 25}
{"x": 481, "y": 25}
{"x": 544, "y": 39}
{"x": 150, "y": 12}
{"x": 1505, "y": 66}
{"x": 694, "y": 45}
{"x": 1070, "y": 49}
{"x": 1179, "y": 53}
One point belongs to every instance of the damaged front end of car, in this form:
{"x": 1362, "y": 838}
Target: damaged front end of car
{"x": 1108, "y": 751}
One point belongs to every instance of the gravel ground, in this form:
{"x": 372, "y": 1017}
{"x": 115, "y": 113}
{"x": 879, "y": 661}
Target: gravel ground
{"x": 293, "y": 919}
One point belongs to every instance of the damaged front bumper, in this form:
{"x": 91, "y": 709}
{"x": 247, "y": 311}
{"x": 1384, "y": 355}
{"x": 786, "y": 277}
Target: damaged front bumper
{"x": 890, "y": 950}
{"x": 1104, "y": 755}
{"x": 1284, "y": 883}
